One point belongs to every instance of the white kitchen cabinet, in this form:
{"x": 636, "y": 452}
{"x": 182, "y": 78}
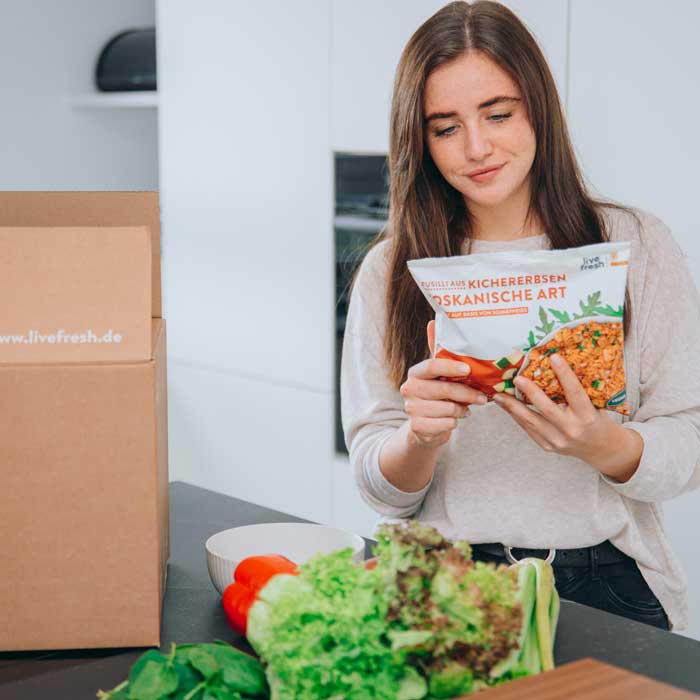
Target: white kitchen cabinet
{"x": 248, "y": 267}
{"x": 367, "y": 38}
{"x": 348, "y": 508}
{"x": 257, "y": 441}
{"x": 247, "y": 187}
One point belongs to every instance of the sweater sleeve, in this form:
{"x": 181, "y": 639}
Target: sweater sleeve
{"x": 668, "y": 418}
{"x": 372, "y": 409}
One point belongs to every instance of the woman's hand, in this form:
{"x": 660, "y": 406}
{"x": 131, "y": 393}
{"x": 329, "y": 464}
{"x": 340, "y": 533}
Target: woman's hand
{"x": 435, "y": 406}
{"x": 577, "y": 429}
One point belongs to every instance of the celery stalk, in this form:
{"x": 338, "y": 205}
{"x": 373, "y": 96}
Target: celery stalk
{"x": 545, "y": 587}
{"x": 554, "y": 607}
{"x": 530, "y": 658}
{"x": 526, "y": 593}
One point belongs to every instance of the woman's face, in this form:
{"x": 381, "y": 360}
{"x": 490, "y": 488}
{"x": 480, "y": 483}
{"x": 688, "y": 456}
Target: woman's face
{"x": 475, "y": 119}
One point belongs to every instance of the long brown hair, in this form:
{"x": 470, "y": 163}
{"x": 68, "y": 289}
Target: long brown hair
{"x": 427, "y": 216}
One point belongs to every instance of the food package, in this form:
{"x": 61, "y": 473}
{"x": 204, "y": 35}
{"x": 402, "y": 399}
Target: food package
{"x": 506, "y": 313}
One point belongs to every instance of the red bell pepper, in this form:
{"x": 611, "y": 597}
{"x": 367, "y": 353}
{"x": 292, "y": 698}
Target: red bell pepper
{"x": 250, "y": 577}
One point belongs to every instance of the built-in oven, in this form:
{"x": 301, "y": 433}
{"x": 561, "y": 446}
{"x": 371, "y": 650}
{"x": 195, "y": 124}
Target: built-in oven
{"x": 361, "y": 208}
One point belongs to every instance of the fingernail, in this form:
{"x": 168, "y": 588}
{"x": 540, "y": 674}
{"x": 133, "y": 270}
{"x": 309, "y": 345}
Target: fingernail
{"x": 482, "y": 399}
{"x": 555, "y": 359}
{"x": 465, "y": 369}
{"x": 498, "y": 399}
{"x": 519, "y": 381}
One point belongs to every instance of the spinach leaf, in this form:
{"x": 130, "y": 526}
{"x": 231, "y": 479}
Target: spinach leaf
{"x": 204, "y": 662}
{"x": 152, "y": 655}
{"x": 154, "y": 681}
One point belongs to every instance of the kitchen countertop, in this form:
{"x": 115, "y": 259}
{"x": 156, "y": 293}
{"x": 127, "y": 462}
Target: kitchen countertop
{"x": 192, "y": 613}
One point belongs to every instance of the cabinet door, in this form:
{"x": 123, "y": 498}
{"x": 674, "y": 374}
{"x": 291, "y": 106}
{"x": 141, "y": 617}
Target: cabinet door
{"x": 247, "y": 188}
{"x": 247, "y": 207}
{"x": 367, "y": 38}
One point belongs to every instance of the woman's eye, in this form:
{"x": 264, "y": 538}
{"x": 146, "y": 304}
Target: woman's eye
{"x": 500, "y": 117}
{"x": 445, "y": 132}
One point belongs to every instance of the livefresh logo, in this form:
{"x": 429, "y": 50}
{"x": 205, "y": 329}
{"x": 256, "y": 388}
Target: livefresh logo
{"x": 60, "y": 336}
{"x": 592, "y": 263}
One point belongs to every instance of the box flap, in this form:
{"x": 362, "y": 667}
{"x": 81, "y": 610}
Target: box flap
{"x": 79, "y": 294}
{"x": 90, "y": 209}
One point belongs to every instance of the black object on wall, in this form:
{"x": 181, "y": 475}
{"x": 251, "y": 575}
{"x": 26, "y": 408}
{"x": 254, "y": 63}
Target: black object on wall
{"x": 128, "y": 62}
{"x": 361, "y": 210}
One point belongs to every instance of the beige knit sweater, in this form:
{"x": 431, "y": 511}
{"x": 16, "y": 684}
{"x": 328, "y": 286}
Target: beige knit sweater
{"x": 493, "y": 483}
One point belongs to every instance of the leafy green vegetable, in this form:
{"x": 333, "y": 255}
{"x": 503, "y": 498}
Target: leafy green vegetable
{"x": 426, "y": 620}
{"x": 451, "y": 680}
{"x": 426, "y": 623}
{"x": 204, "y": 663}
{"x": 155, "y": 681}
{"x": 214, "y": 671}
{"x": 324, "y": 634}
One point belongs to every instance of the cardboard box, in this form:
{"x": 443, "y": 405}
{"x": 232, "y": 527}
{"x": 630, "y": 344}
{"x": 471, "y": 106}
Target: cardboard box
{"x": 80, "y": 294}
{"x": 84, "y": 536}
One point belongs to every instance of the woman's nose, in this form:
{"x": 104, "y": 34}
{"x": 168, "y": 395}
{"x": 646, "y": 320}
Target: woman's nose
{"x": 477, "y": 145}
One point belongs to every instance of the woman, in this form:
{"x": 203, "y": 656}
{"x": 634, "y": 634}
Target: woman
{"x": 473, "y": 93}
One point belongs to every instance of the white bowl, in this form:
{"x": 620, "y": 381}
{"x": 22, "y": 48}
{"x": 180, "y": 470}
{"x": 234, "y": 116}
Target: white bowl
{"x": 296, "y": 541}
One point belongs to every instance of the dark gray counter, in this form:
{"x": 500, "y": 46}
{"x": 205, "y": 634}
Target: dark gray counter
{"x": 192, "y": 613}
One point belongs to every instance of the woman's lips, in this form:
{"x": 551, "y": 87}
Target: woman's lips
{"x": 487, "y": 176}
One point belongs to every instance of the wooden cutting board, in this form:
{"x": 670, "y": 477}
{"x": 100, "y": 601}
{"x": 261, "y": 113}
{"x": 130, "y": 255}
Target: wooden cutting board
{"x": 586, "y": 679}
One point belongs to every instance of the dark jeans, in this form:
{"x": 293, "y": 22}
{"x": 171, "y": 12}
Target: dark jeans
{"x": 616, "y": 588}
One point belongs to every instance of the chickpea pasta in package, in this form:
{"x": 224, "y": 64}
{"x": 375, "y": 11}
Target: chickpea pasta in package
{"x": 506, "y": 313}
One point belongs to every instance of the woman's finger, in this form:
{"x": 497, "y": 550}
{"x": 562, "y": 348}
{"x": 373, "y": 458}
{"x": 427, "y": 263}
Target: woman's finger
{"x": 537, "y": 426}
{"x": 576, "y": 396}
{"x": 432, "y": 390}
{"x": 435, "y": 409}
{"x": 551, "y": 411}
{"x": 442, "y": 367}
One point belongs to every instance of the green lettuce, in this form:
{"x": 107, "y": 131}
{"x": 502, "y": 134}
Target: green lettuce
{"x": 469, "y": 612}
{"x": 427, "y": 622}
{"x": 323, "y": 634}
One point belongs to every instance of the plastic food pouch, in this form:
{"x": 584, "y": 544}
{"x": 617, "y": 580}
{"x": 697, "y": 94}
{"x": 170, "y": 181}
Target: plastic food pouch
{"x": 505, "y": 314}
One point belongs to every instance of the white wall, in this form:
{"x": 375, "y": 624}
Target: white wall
{"x": 248, "y": 250}
{"x": 633, "y": 101}
{"x": 634, "y": 97}
{"x": 49, "y": 50}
